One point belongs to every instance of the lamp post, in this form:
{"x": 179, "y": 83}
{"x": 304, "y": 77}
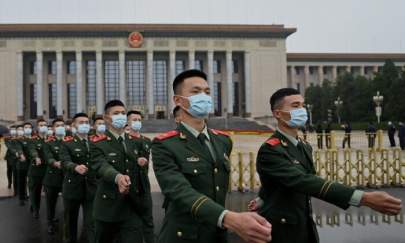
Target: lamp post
{"x": 309, "y": 108}
{"x": 378, "y": 100}
{"x": 338, "y": 103}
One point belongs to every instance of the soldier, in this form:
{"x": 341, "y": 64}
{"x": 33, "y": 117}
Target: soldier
{"x": 391, "y": 133}
{"x": 319, "y": 135}
{"x": 99, "y": 125}
{"x": 177, "y": 114}
{"x": 11, "y": 158}
{"x": 288, "y": 179}
{"x": 135, "y": 122}
{"x": 115, "y": 159}
{"x": 79, "y": 183}
{"x": 54, "y": 175}
{"x": 192, "y": 167}
{"x": 37, "y": 167}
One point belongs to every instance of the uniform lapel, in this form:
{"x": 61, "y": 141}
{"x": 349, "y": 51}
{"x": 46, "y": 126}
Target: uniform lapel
{"x": 192, "y": 142}
{"x": 292, "y": 150}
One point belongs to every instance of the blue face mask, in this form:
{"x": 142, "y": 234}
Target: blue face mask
{"x": 83, "y": 128}
{"x": 101, "y": 128}
{"x": 119, "y": 121}
{"x": 200, "y": 105}
{"x": 60, "y": 131}
{"x": 136, "y": 125}
{"x": 27, "y": 131}
{"x": 43, "y": 129}
{"x": 299, "y": 118}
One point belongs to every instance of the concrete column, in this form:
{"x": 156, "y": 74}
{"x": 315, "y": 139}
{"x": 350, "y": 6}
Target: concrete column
{"x": 149, "y": 84}
{"x": 229, "y": 83}
{"x": 292, "y": 77}
{"x": 79, "y": 82}
{"x": 122, "y": 86}
{"x": 375, "y": 69}
{"x": 248, "y": 83}
{"x": 191, "y": 59}
{"x": 349, "y": 69}
{"x": 210, "y": 75}
{"x": 20, "y": 87}
{"x": 362, "y": 71}
{"x": 334, "y": 73}
{"x": 59, "y": 83}
{"x": 99, "y": 83}
{"x": 321, "y": 75}
{"x": 172, "y": 76}
{"x": 40, "y": 87}
{"x": 306, "y": 77}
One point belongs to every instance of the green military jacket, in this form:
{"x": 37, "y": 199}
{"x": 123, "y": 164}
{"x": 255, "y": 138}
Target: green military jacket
{"x": 12, "y": 150}
{"x": 193, "y": 183}
{"x": 288, "y": 179}
{"x": 74, "y": 152}
{"x": 144, "y": 143}
{"x": 109, "y": 158}
{"x": 36, "y": 150}
{"x": 22, "y": 147}
{"x": 53, "y": 176}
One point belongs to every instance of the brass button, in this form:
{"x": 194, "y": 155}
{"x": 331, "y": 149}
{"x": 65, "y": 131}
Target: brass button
{"x": 216, "y": 170}
{"x": 179, "y": 234}
{"x": 69, "y": 180}
{"x": 283, "y": 221}
{"x": 195, "y": 171}
{"x": 77, "y": 155}
{"x": 113, "y": 161}
{"x": 127, "y": 171}
{"x": 217, "y": 188}
{"x": 104, "y": 196}
{"x": 126, "y": 160}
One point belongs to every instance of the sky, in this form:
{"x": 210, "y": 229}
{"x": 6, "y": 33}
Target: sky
{"x": 322, "y": 25}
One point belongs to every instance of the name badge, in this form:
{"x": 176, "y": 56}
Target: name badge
{"x": 193, "y": 159}
{"x": 112, "y": 154}
{"x": 296, "y": 162}
{"x": 135, "y": 151}
{"x": 78, "y": 150}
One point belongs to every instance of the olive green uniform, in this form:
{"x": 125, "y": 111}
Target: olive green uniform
{"x": 77, "y": 190}
{"x": 22, "y": 166}
{"x": 194, "y": 179}
{"x": 11, "y": 158}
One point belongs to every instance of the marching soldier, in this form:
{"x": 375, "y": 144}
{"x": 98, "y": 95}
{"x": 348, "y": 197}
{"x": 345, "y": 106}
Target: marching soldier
{"x": 288, "y": 179}
{"x": 99, "y": 125}
{"x": 11, "y": 158}
{"x": 135, "y": 122}
{"x": 115, "y": 159}
{"x": 54, "y": 175}
{"x": 192, "y": 167}
{"x": 37, "y": 168}
{"x": 79, "y": 184}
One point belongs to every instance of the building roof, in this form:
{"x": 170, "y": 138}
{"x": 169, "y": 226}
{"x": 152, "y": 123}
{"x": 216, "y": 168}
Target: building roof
{"x": 148, "y": 30}
{"x": 338, "y": 57}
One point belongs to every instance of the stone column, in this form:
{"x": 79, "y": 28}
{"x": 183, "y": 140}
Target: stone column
{"x": 40, "y": 87}
{"x": 99, "y": 83}
{"x": 334, "y": 73}
{"x": 59, "y": 83}
{"x": 191, "y": 59}
{"x": 210, "y": 77}
{"x": 172, "y": 75}
{"x": 229, "y": 83}
{"x": 248, "y": 83}
{"x": 79, "y": 82}
{"x": 122, "y": 86}
{"x": 20, "y": 87}
{"x": 321, "y": 75}
{"x": 362, "y": 70}
{"x": 149, "y": 84}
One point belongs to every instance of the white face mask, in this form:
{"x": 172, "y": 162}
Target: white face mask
{"x": 20, "y": 133}
{"x": 50, "y": 132}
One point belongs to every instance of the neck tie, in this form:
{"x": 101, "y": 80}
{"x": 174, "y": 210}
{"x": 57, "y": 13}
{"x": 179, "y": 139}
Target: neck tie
{"x": 202, "y": 138}
{"x": 121, "y": 141}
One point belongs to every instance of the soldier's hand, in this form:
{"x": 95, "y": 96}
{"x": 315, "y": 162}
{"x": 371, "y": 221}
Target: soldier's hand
{"x": 22, "y": 157}
{"x": 382, "y": 202}
{"x": 123, "y": 182}
{"x": 57, "y": 164}
{"x": 81, "y": 169}
{"x": 251, "y": 227}
{"x": 38, "y": 161}
{"x": 142, "y": 161}
{"x": 252, "y": 206}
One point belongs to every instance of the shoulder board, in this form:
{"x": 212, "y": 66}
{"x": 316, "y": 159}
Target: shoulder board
{"x": 50, "y": 139}
{"x": 217, "y": 132}
{"x": 168, "y": 135}
{"x": 134, "y": 136}
{"x": 98, "y": 138}
{"x": 67, "y": 139}
{"x": 273, "y": 141}
{"x": 34, "y": 137}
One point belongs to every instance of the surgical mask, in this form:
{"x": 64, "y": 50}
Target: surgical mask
{"x": 73, "y": 130}
{"x": 83, "y": 128}
{"x": 27, "y": 131}
{"x": 50, "y": 132}
{"x": 60, "y": 131}
{"x": 20, "y": 133}
{"x": 299, "y": 118}
{"x": 136, "y": 125}
{"x": 200, "y": 105}
{"x": 43, "y": 129}
{"x": 13, "y": 132}
{"x": 119, "y": 121}
{"x": 101, "y": 128}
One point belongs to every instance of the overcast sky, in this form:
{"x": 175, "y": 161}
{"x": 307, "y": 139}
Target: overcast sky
{"x": 323, "y": 25}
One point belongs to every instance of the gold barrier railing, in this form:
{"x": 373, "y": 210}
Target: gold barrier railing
{"x": 335, "y": 219}
{"x": 357, "y": 168}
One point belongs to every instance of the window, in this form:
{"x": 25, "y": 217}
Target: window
{"x": 111, "y": 80}
{"x": 179, "y": 66}
{"x": 198, "y": 65}
{"x": 91, "y": 83}
{"x": 235, "y": 66}
{"x": 217, "y": 66}
{"x": 71, "y": 67}
{"x": 52, "y": 67}
{"x": 135, "y": 82}
{"x": 72, "y": 102}
{"x": 33, "y": 67}
{"x": 160, "y": 82}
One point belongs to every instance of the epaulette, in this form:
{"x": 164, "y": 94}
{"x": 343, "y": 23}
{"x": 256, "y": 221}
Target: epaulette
{"x": 216, "y": 132}
{"x": 167, "y": 135}
{"x": 273, "y": 141}
{"x": 131, "y": 136}
{"x": 98, "y": 138}
{"x": 67, "y": 139}
{"x": 51, "y": 139}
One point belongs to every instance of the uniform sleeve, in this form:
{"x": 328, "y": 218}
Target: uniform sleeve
{"x": 100, "y": 165}
{"x": 273, "y": 164}
{"x": 66, "y": 159}
{"x": 48, "y": 155}
{"x": 179, "y": 191}
{"x": 32, "y": 150}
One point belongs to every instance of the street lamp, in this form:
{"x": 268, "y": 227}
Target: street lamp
{"x": 378, "y": 99}
{"x": 309, "y": 108}
{"x": 338, "y": 103}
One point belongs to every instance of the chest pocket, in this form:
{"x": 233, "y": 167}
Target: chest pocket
{"x": 194, "y": 168}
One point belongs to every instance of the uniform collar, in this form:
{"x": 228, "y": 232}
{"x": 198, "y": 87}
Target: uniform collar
{"x": 116, "y": 136}
{"x": 290, "y": 138}
{"x": 194, "y": 132}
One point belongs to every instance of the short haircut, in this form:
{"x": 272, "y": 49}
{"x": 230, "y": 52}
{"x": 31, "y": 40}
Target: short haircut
{"x": 27, "y": 123}
{"x": 98, "y": 117}
{"x": 80, "y": 114}
{"x": 19, "y": 126}
{"x": 279, "y": 95}
{"x": 178, "y": 81}
{"x": 113, "y": 103}
{"x": 40, "y": 120}
{"x": 133, "y": 112}
{"x": 57, "y": 120}
{"x": 176, "y": 111}
{"x": 13, "y": 126}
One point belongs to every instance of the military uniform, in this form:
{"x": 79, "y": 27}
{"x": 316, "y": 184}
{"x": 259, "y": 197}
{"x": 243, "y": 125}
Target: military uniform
{"x": 22, "y": 167}
{"x": 53, "y": 177}
{"x": 193, "y": 172}
{"x": 77, "y": 190}
{"x": 11, "y": 158}
{"x": 288, "y": 179}
{"x": 146, "y": 197}
{"x": 115, "y": 213}
{"x": 36, "y": 173}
